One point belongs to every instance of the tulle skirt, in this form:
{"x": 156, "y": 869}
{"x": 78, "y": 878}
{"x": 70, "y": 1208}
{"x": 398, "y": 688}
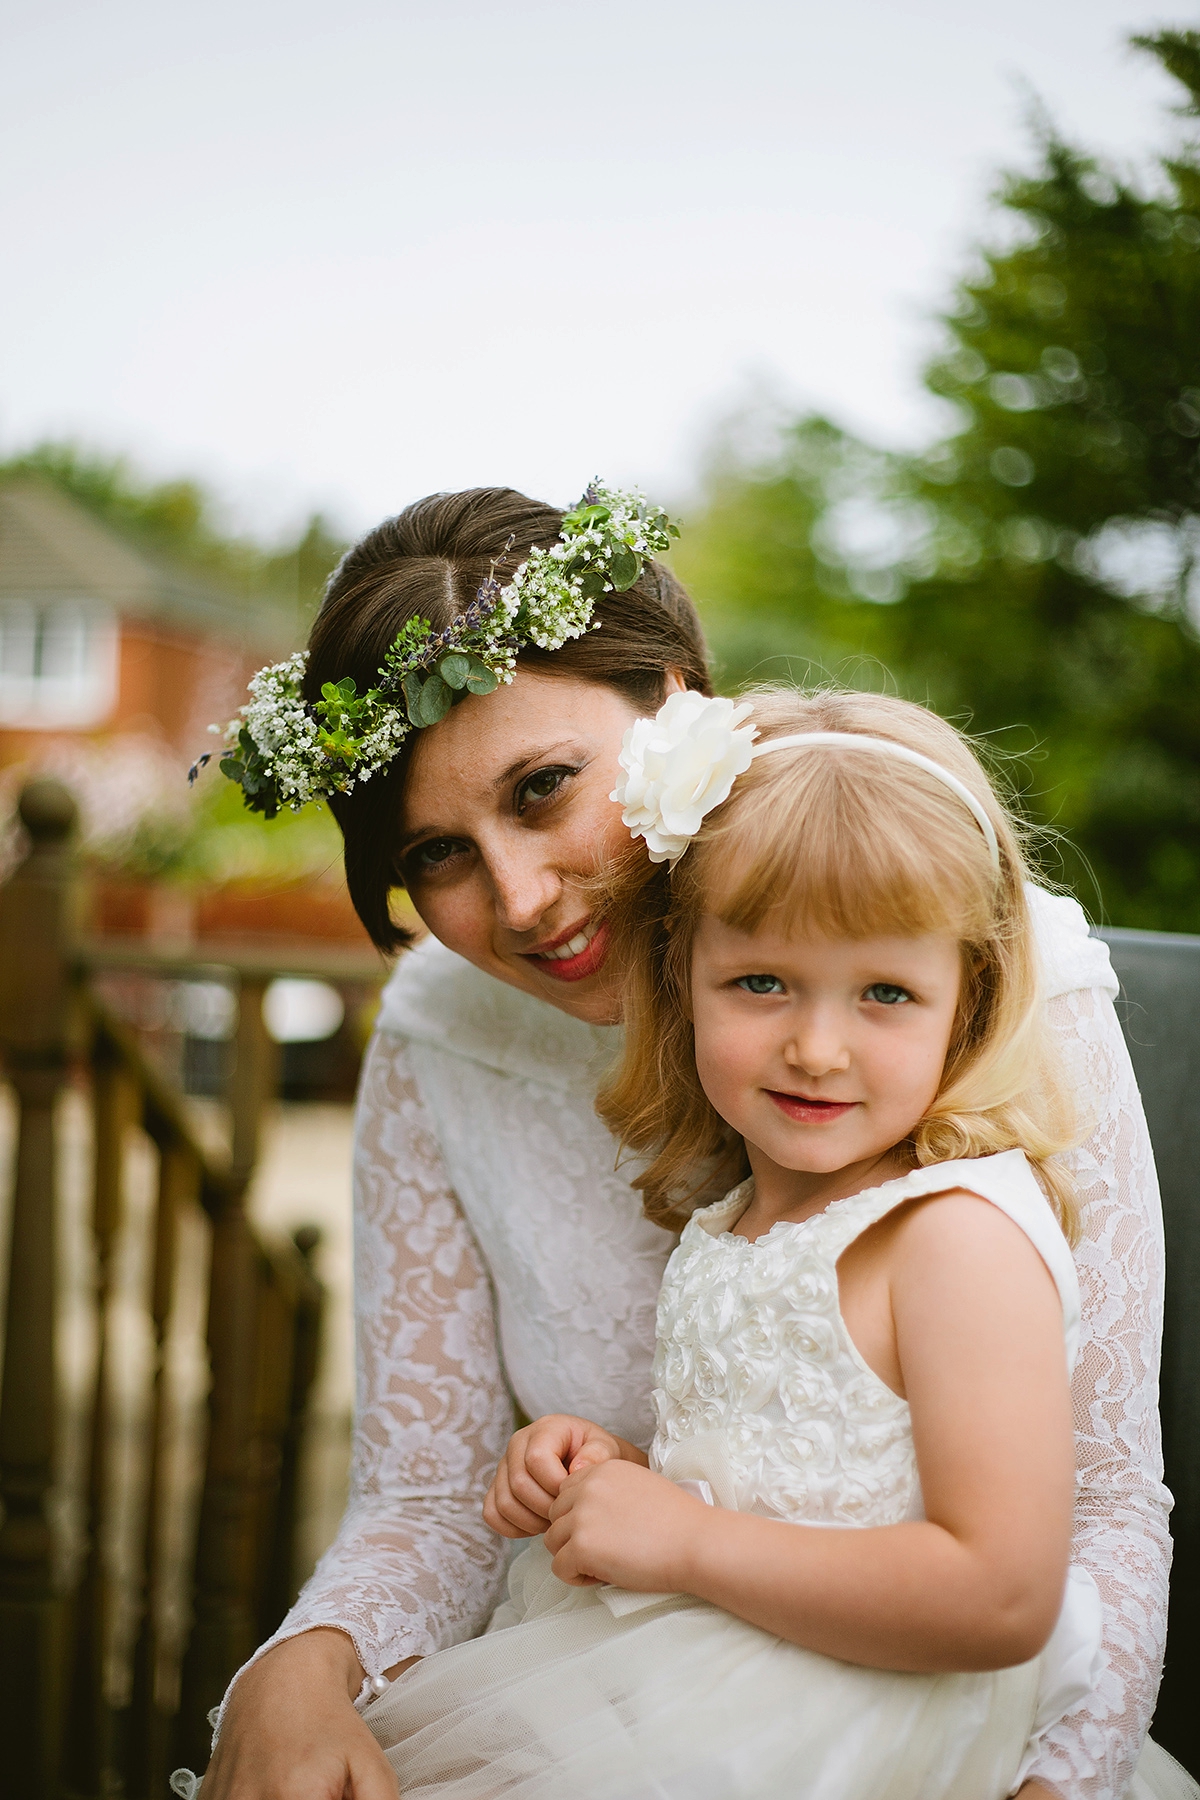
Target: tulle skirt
{"x": 1160, "y": 1777}
{"x": 586, "y": 1692}
{"x": 600, "y": 1695}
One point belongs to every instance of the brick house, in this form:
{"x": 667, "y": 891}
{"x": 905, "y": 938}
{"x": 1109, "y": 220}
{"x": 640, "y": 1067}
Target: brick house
{"x": 98, "y": 639}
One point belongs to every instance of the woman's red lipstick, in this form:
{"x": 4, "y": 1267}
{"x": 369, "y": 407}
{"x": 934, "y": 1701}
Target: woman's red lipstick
{"x": 571, "y": 968}
{"x": 810, "y": 1112}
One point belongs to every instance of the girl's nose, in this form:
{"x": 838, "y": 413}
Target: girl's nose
{"x": 817, "y": 1047}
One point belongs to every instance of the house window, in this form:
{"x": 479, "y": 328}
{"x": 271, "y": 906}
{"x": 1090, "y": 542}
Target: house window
{"x": 58, "y": 663}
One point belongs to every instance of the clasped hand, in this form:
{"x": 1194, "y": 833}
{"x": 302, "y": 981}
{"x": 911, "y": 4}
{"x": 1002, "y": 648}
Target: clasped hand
{"x": 606, "y": 1515}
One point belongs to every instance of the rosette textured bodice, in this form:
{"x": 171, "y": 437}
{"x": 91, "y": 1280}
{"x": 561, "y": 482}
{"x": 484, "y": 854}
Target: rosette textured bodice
{"x": 759, "y": 1388}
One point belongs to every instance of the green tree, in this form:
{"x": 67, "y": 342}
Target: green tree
{"x": 1041, "y": 560}
{"x": 784, "y": 596}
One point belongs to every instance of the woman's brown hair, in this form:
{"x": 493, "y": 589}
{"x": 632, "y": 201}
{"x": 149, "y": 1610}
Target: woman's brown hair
{"x": 840, "y": 842}
{"x": 430, "y": 560}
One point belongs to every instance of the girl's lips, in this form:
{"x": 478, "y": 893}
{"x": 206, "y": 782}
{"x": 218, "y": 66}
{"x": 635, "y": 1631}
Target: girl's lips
{"x": 575, "y": 968}
{"x": 810, "y": 1112}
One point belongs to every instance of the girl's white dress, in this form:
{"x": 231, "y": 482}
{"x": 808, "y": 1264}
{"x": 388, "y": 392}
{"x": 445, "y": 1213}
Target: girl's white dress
{"x": 604, "y": 1694}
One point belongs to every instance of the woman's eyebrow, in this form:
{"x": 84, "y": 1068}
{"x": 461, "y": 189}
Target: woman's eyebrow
{"x": 540, "y": 755}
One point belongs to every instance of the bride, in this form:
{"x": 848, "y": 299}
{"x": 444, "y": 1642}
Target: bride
{"x": 501, "y": 1260}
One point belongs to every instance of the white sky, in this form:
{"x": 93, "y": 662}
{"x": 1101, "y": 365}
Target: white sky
{"x": 344, "y": 254}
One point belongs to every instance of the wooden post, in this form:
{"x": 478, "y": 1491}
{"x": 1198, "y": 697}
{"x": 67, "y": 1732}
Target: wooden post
{"x": 147, "y": 1734}
{"x": 36, "y": 926}
{"x": 307, "y": 1314}
{"x": 224, "y": 1633}
{"x": 92, "y": 1751}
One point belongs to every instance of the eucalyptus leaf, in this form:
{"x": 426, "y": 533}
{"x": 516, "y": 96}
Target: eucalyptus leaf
{"x": 434, "y": 701}
{"x": 455, "y": 669}
{"x": 624, "y": 568}
{"x": 482, "y": 680}
{"x": 412, "y": 685}
{"x": 229, "y": 765}
{"x": 592, "y": 584}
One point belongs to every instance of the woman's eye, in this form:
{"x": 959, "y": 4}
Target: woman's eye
{"x": 761, "y": 984}
{"x": 541, "y": 785}
{"x": 432, "y": 855}
{"x": 886, "y": 993}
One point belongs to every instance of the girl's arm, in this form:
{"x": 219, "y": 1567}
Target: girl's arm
{"x": 978, "y": 1584}
{"x": 413, "y": 1567}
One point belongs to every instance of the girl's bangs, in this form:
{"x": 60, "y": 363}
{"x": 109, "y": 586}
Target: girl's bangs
{"x": 844, "y": 848}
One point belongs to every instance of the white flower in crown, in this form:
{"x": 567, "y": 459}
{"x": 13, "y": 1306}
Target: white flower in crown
{"x": 678, "y": 766}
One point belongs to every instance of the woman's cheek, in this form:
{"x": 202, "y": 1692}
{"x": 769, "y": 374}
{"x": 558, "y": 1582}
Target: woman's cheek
{"x": 459, "y": 919}
{"x": 595, "y": 829}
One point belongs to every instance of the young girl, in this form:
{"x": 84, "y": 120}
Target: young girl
{"x": 841, "y": 1573}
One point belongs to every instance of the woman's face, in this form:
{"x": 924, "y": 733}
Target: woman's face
{"x": 506, "y": 814}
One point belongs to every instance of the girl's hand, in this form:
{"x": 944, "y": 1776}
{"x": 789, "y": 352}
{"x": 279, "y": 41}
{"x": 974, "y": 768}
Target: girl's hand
{"x": 537, "y": 1462}
{"x": 291, "y": 1729}
{"x": 615, "y": 1522}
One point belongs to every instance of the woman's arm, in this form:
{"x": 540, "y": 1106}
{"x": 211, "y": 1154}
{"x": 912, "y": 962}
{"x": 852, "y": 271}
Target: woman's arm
{"x": 977, "y": 1584}
{"x": 413, "y": 1568}
{"x": 1121, "y": 1505}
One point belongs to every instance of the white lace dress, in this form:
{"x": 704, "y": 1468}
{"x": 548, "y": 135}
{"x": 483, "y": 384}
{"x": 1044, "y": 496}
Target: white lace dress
{"x": 760, "y": 1392}
{"x": 499, "y": 1253}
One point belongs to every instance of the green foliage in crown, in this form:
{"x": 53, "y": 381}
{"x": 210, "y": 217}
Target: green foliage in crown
{"x": 283, "y": 751}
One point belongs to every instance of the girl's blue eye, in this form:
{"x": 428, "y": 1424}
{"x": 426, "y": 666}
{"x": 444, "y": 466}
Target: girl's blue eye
{"x": 887, "y": 993}
{"x": 761, "y": 984}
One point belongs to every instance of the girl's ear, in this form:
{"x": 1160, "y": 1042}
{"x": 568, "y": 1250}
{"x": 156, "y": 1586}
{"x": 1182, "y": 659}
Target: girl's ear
{"x": 673, "y": 683}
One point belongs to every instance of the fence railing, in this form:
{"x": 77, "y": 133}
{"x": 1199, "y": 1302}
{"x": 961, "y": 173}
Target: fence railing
{"x": 107, "y": 1671}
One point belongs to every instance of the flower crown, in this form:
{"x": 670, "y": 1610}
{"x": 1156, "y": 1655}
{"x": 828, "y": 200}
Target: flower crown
{"x": 283, "y": 750}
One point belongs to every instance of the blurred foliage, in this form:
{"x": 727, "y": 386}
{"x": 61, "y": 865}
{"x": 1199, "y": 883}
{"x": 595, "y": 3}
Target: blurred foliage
{"x": 1034, "y": 574}
{"x": 140, "y": 821}
{"x": 179, "y": 522}
{"x": 225, "y": 843}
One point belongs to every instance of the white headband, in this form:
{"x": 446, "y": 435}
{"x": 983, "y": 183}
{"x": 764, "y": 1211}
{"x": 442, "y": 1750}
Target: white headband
{"x": 683, "y": 762}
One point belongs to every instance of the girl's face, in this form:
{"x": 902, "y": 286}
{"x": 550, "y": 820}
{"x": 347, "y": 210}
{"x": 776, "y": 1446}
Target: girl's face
{"x": 506, "y": 814}
{"x": 823, "y": 1053}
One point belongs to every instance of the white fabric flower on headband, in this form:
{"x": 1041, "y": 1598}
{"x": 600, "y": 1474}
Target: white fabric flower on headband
{"x": 678, "y": 766}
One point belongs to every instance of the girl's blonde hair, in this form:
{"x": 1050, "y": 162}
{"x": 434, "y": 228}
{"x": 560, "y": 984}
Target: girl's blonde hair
{"x": 846, "y": 843}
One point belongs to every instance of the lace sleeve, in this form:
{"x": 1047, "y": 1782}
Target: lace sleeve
{"x": 413, "y": 1567}
{"x": 1121, "y": 1505}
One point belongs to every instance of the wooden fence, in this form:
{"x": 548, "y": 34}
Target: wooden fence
{"x": 80, "y": 1720}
